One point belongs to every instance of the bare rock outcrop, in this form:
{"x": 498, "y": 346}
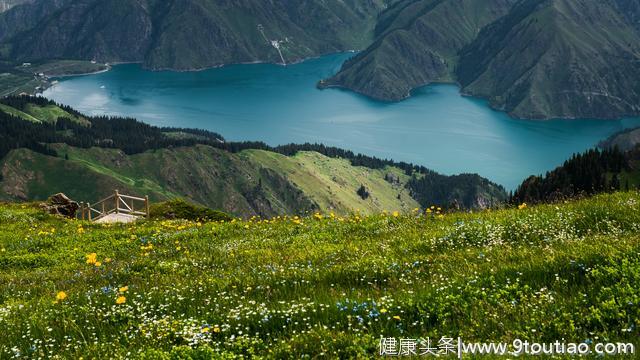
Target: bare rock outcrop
{"x": 60, "y": 204}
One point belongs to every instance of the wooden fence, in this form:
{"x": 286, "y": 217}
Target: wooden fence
{"x": 115, "y": 204}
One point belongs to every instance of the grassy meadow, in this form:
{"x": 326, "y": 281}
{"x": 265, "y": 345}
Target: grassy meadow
{"x": 318, "y": 287}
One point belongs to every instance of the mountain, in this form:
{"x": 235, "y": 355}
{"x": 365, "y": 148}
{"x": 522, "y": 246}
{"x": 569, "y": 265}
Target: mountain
{"x": 625, "y": 140}
{"x": 241, "y": 184}
{"x": 559, "y": 59}
{"x": 46, "y": 148}
{"x": 417, "y": 43}
{"x": 534, "y": 59}
{"x": 186, "y": 34}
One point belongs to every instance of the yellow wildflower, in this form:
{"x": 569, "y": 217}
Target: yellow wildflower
{"x": 205, "y": 329}
{"x": 216, "y": 329}
{"x": 92, "y": 258}
{"x": 396, "y": 214}
{"x": 522, "y": 206}
{"x": 97, "y": 264}
{"x": 383, "y": 311}
{"x": 121, "y": 300}
{"x": 123, "y": 289}
{"x": 60, "y": 296}
{"x": 397, "y": 317}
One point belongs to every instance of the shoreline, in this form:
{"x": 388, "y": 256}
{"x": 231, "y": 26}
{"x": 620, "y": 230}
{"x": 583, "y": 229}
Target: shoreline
{"x": 108, "y": 68}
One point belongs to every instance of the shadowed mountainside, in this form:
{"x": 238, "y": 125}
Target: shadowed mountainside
{"x": 534, "y": 59}
{"x": 185, "y": 34}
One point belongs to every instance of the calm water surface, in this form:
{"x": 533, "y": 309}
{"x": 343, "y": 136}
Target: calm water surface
{"x": 437, "y": 127}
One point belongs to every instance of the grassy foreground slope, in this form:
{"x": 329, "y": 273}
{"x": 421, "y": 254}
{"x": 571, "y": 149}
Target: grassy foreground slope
{"x": 322, "y": 287}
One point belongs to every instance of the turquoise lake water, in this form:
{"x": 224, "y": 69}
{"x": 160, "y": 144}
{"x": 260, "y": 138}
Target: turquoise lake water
{"x": 436, "y": 128}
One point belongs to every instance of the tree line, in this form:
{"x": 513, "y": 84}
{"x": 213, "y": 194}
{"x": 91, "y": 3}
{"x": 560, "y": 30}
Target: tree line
{"x": 133, "y": 137}
{"x": 592, "y": 172}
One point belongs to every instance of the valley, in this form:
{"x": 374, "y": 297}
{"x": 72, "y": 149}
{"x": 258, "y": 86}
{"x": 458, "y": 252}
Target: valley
{"x": 319, "y": 179}
{"x": 47, "y": 148}
{"x": 533, "y": 59}
{"x": 437, "y": 127}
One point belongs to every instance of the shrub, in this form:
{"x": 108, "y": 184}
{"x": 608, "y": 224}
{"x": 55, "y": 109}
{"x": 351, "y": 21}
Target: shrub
{"x": 363, "y": 192}
{"x": 181, "y": 209}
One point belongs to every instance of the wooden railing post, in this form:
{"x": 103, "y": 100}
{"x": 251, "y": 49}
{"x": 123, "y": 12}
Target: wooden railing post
{"x": 82, "y": 210}
{"x": 117, "y": 197}
{"x": 89, "y": 210}
{"x": 146, "y": 206}
{"x": 104, "y": 212}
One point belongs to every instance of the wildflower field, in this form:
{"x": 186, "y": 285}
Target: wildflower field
{"x": 318, "y": 287}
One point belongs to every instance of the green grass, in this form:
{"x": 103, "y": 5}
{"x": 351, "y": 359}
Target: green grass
{"x": 19, "y": 114}
{"x": 248, "y": 183}
{"x": 40, "y": 114}
{"x": 332, "y": 183}
{"x": 318, "y": 287}
{"x": 17, "y": 82}
{"x": 52, "y": 113}
{"x": 20, "y": 79}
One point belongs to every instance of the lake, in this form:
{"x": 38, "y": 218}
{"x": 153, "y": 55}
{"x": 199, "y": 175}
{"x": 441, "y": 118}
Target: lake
{"x": 437, "y": 127}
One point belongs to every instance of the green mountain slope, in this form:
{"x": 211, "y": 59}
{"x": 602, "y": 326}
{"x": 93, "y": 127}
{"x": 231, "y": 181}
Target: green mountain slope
{"x": 87, "y": 158}
{"x": 186, "y": 34}
{"x": 319, "y": 287}
{"x": 40, "y": 111}
{"x": 559, "y": 59}
{"x": 252, "y": 182}
{"x": 534, "y": 59}
{"x": 418, "y": 43}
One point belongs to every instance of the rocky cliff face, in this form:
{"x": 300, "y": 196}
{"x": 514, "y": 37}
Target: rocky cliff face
{"x": 186, "y": 34}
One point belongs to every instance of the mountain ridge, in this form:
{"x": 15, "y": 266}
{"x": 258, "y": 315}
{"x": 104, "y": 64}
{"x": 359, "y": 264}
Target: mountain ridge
{"x": 186, "y": 34}
{"x": 534, "y": 59}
